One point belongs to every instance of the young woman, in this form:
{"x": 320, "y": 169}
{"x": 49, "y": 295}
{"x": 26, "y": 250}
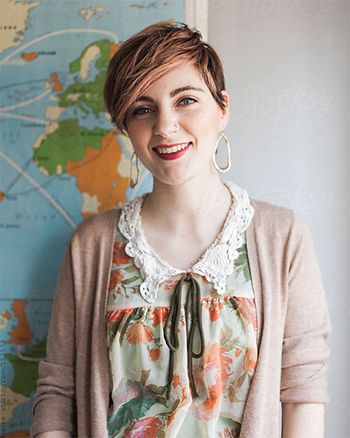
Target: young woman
{"x": 212, "y": 303}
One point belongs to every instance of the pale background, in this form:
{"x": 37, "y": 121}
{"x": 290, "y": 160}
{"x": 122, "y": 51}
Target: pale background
{"x": 287, "y": 72}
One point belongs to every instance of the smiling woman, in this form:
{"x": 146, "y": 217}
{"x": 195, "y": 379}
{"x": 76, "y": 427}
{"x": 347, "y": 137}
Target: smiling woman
{"x": 192, "y": 310}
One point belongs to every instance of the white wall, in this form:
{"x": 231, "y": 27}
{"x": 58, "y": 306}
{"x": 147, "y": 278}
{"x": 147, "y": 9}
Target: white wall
{"x": 287, "y": 73}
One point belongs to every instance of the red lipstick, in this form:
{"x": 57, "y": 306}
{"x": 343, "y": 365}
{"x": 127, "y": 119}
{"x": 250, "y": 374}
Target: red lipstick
{"x": 172, "y": 155}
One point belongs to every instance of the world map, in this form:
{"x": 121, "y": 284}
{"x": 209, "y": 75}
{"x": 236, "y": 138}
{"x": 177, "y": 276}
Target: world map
{"x": 61, "y": 161}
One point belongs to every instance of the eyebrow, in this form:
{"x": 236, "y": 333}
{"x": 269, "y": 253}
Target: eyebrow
{"x": 187, "y": 88}
{"x": 172, "y": 94}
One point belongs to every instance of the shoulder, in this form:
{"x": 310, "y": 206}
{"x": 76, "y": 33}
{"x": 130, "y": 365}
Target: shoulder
{"x": 276, "y": 220}
{"x": 97, "y": 227}
{"x": 282, "y": 239}
{"x": 266, "y": 212}
{"x": 266, "y": 220}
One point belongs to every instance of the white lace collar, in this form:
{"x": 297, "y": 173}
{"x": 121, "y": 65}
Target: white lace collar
{"x": 216, "y": 263}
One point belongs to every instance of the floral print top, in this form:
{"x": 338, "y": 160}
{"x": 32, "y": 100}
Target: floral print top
{"x": 157, "y": 392}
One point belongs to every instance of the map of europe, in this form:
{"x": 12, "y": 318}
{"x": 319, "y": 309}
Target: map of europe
{"x": 61, "y": 161}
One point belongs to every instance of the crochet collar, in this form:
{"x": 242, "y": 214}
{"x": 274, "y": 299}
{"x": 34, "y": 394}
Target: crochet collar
{"x": 215, "y": 264}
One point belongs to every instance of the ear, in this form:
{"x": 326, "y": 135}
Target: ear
{"x": 225, "y": 114}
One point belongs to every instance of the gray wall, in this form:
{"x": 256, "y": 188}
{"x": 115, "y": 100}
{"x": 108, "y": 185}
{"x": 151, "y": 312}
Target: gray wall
{"x": 287, "y": 73}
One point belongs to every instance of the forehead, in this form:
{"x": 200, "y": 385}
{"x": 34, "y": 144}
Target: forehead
{"x": 177, "y": 78}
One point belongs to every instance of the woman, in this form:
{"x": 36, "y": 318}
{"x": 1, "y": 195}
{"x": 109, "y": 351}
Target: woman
{"x": 212, "y": 302}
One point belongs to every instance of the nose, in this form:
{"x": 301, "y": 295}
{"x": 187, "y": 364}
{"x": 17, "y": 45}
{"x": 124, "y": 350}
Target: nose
{"x": 166, "y": 123}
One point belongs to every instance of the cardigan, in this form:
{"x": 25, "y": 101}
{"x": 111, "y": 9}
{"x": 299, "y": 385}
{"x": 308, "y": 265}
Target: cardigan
{"x": 293, "y": 322}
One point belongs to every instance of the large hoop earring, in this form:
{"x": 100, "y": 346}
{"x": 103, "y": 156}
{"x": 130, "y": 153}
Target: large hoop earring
{"x": 228, "y": 164}
{"x": 133, "y": 182}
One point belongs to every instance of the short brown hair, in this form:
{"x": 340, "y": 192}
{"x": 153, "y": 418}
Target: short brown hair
{"x": 151, "y": 53}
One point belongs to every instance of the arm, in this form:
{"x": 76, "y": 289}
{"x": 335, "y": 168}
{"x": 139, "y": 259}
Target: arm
{"x": 54, "y": 407}
{"x": 302, "y": 420}
{"x": 304, "y": 354}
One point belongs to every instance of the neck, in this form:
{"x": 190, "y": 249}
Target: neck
{"x": 187, "y": 204}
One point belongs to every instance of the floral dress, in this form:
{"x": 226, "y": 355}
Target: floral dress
{"x": 182, "y": 344}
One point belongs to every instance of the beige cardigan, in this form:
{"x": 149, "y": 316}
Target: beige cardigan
{"x": 73, "y": 386}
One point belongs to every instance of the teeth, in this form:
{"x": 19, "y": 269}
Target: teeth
{"x": 173, "y": 149}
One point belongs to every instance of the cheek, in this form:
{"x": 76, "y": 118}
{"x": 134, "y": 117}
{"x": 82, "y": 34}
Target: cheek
{"x": 139, "y": 139}
{"x": 208, "y": 131}
{"x": 209, "y": 121}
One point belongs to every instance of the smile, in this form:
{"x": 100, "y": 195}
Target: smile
{"x": 172, "y": 152}
{"x": 172, "y": 149}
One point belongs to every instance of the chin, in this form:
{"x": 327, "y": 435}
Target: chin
{"x": 176, "y": 180}
{"x": 182, "y": 176}
{"x": 172, "y": 180}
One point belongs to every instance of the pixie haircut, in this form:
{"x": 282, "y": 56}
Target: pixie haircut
{"x": 154, "y": 51}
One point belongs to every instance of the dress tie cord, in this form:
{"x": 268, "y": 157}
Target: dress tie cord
{"x": 193, "y": 307}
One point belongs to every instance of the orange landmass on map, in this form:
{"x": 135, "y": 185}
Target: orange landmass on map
{"x": 97, "y": 173}
{"x": 20, "y": 333}
{"x": 114, "y": 48}
{"x": 58, "y": 86}
{"x": 17, "y": 434}
{"x": 6, "y": 314}
{"x": 2, "y": 195}
{"x": 137, "y": 6}
{"x": 29, "y": 56}
{"x": 171, "y": 20}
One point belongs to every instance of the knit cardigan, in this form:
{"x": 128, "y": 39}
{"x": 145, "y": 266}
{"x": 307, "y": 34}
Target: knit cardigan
{"x": 73, "y": 385}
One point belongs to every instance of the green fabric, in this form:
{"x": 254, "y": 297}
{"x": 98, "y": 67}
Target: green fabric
{"x": 193, "y": 312}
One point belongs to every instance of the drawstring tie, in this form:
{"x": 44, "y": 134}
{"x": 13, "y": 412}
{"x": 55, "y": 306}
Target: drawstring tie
{"x": 193, "y": 302}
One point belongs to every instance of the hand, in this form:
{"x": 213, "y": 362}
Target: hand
{"x": 54, "y": 434}
{"x": 302, "y": 420}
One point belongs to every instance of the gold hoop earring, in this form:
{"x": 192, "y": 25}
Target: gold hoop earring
{"x": 228, "y": 164}
{"x": 133, "y": 182}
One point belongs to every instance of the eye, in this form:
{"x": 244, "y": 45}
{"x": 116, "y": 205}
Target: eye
{"x": 141, "y": 110}
{"x": 187, "y": 101}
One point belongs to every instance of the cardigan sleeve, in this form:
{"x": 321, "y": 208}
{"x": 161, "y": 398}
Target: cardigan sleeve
{"x": 54, "y": 406}
{"x": 307, "y": 325}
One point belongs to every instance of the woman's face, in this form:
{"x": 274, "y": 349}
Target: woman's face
{"x": 174, "y": 126}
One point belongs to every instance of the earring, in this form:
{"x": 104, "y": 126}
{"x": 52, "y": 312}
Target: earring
{"x": 133, "y": 182}
{"x": 228, "y": 164}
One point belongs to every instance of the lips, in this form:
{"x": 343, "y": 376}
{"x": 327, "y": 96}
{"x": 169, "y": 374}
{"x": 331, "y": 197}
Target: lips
{"x": 172, "y": 151}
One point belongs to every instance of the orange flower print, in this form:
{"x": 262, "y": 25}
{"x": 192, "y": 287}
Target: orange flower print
{"x": 139, "y": 333}
{"x": 176, "y": 380}
{"x": 119, "y": 255}
{"x": 117, "y": 315}
{"x": 168, "y": 284}
{"x": 249, "y": 361}
{"x": 116, "y": 278}
{"x": 238, "y": 352}
{"x": 144, "y": 428}
{"x": 154, "y": 354}
{"x": 159, "y": 315}
{"x": 214, "y": 308}
{"x": 233, "y": 433}
{"x": 247, "y": 311}
{"x": 183, "y": 400}
{"x": 211, "y": 379}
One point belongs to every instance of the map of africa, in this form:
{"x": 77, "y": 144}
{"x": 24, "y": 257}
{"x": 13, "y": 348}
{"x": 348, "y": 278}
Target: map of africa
{"x": 61, "y": 161}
